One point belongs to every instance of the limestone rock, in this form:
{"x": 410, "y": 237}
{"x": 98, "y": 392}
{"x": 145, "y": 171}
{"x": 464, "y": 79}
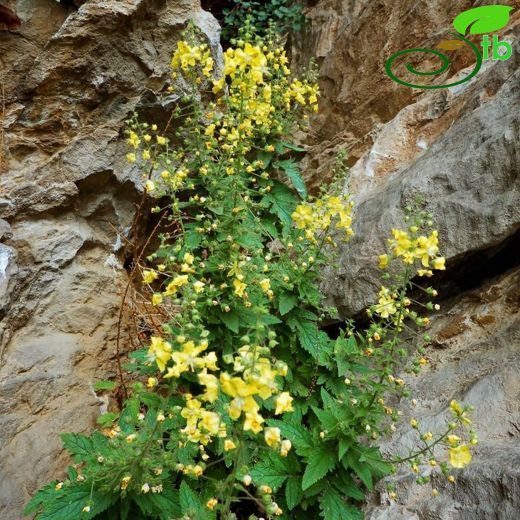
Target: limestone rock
{"x": 473, "y": 359}
{"x": 71, "y": 77}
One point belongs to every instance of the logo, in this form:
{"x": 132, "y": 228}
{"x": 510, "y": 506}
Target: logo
{"x": 479, "y": 20}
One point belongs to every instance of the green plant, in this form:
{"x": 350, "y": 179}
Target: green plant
{"x": 241, "y": 406}
{"x": 280, "y": 16}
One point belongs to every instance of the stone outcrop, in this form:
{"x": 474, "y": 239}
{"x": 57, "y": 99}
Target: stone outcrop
{"x": 70, "y": 77}
{"x": 457, "y": 151}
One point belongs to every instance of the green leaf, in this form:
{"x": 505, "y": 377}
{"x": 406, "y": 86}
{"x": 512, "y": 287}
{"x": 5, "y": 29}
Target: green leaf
{"x": 189, "y": 500}
{"x": 292, "y": 146}
{"x": 346, "y": 486}
{"x": 321, "y": 461}
{"x": 165, "y": 505}
{"x": 296, "y": 433}
{"x": 292, "y": 171}
{"x": 272, "y": 471}
{"x": 107, "y": 419}
{"x": 231, "y": 320}
{"x": 79, "y": 445}
{"x": 362, "y": 470}
{"x": 286, "y": 303}
{"x": 308, "y": 336}
{"x": 69, "y": 502}
{"x": 327, "y": 420}
{"x": 333, "y": 507}
{"x": 483, "y": 19}
{"x": 293, "y": 492}
{"x": 282, "y": 202}
{"x": 343, "y": 446}
{"x": 104, "y": 385}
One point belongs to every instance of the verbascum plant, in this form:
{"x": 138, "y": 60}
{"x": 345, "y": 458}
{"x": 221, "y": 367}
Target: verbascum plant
{"x": 240, "y": 407}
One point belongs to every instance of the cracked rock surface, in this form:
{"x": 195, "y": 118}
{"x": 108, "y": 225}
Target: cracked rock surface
{"x": 70, "y": 77}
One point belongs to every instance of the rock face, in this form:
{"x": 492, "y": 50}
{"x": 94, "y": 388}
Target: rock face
{"x": 457, "y": 150}
{"x": 70, "y": 77}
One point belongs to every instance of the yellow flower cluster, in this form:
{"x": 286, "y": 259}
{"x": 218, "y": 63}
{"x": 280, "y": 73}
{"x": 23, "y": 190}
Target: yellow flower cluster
{"x": 187, "y": 57}
{"x": 415, "y": 248}
{"x": 318, "y": 216}
{"x": 256, "y": 378}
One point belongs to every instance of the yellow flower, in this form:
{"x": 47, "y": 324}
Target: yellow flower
{"x": 150, "y": 186}
{"x": 86, "y": 509}
{"x": 146, "y": 155}
{"x": 145, "y": 488}
{"x": 283, "y": 403}
{"x": 161, "y": 140}
{"x": 160, "y": 352}
{"x": 456, "y": 408}
{"x": 265, "y": 284}
{"x": 439, "y": 263}
{"x": 189, "y": 258}
{"x": 246, "y": 479}
{"x": 453, "y": 440}
{"x": 152, "y": 381}
{"x": 272, "y": 436}
{"x": 198, "y": 286}
{"x": 149, "y": 276}
{"x": 125, "y": 481}
{"x": 58, "y": 486}
{"x": 253, "y": 422}
{"x": 460, "y": 456}
{"x": 383, "y": 261}
{"x": 131, "y": 158}
{"x": 285, "y": 447}
{"x": 157, "y": 299}
{"x": 229, "y": 445}
{"x": 211, "y": 503}
{"x": 240, "y": 287}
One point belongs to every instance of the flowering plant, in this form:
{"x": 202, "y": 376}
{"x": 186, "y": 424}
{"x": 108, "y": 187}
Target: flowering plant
{"x": 240, "y": 406}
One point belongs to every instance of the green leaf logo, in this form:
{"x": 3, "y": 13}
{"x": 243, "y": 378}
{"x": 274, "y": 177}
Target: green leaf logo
{"x": 484, "y": 19}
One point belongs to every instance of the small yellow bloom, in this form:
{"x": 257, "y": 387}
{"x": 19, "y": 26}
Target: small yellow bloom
{"x": 86, "y": 509}
{"x": 229, "y": 445}
{"x": 272, "y": 436}
{"x": 157, "y": 299}
{"x": 149, "y": 276}
{"x": 125, "y": 481}
{"x": 460, "y": 456}
{"x": 146, "y": 155}
{"x": 283, "y": 403}
{"x": 145, "y": 488}
{"x": 149, "y": 186}
{"x": 211, "y": 503}
{"x": 198, "y": 286}
{"x": 161, "y": 140}
{"x": 58, "y": 486}
{"x": 439, "y": 263}
{"x": 383, "y": 261}
{"x": 131, "y": 158}
{"x": 246, "y": 479}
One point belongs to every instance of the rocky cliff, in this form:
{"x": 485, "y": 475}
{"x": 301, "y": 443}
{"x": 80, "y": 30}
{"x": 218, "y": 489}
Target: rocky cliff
{"x": 457, "y": 150}
{"x": 69, "y": 78}
{"x": 71, "y": 74}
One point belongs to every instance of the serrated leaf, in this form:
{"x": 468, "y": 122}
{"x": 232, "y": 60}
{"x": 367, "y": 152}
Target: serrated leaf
{"x": 286, "y": 303}
{"x": 272, "y": 471}
{"x": 483, "y": 19}
{"x": 292, "y": 146}
{"x": 107, "y": 419}
{"x": 189, "y": 500}
{"x": 292, "y": 171}
{"x": 283, "y": 203}
{"x": 297, "y": 434}
{"x": 334, "y": 507}
{"x": 362, "y": 470}
{"x": 321, "y": 461}
{"x": 99, "y": 386}
{"x": 231, "y": 320}
{"x": 165, "y": 505}
{"x": 308, "y": 336}
{"x": 70, "y": 502}
{"x": 79, "y": 445}
{"x": 293, "y": 492}
{"x": 343, "y": 446}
